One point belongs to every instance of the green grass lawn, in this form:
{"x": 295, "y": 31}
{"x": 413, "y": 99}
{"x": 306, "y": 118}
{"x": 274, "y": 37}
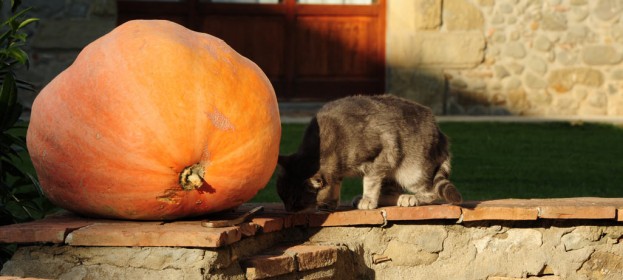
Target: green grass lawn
{"x": 515, "y": 160}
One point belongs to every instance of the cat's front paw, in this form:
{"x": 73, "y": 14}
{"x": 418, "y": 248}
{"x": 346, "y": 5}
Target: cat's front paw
{"x": 367, "y": 203}
{"x": 407, "y": 200}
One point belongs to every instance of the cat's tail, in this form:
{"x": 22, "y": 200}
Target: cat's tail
{"x": 443, "y": 186}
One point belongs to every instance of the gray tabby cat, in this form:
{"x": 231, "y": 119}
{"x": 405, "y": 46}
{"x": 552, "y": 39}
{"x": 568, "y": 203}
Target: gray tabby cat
{"x": 394, "y": 143}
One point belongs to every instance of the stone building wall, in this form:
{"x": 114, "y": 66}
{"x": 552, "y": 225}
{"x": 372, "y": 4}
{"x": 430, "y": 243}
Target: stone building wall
{"x": 460, "y": 57}
{"x": 497, "y": 57}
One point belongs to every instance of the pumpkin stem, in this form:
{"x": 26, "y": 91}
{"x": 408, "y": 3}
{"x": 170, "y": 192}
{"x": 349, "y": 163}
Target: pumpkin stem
{"x": 192, "y": 177}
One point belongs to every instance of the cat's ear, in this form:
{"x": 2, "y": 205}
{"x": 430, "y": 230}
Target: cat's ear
{"x": 317, "y": 182}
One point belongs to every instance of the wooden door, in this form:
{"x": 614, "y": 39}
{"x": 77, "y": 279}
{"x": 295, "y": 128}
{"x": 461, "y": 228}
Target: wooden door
{"x": 310, "y": 52}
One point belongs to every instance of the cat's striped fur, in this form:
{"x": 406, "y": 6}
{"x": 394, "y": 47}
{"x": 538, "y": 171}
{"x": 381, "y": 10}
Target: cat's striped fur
{"x": 393, "y": 143}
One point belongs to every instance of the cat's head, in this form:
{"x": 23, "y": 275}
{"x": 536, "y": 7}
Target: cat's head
{"x": 298, "y": 184}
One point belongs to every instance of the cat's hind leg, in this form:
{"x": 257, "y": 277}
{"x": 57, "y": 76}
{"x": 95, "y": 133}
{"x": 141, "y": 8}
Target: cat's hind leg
{"x": 418, "y": 187}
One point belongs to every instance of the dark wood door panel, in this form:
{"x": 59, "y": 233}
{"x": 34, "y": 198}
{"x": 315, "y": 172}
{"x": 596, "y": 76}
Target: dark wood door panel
{"x": 261, "y": 39}
{"x": 309, "y": 52}
{"x": 334, "y": 47}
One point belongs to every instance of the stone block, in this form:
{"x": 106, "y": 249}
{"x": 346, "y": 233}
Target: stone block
{"x": 563, "y": 80}
{"x": 603, "y": 265}
{"x": 427, "y": 14}
{"x": 608, "y": 10}
{"x": 428, "y": 238}
{"x": 265, "y": 266}
{"x": 553, "y": 22}
{"x": 580, "y": 237}
{"x": 461, "y": 15}
{"x": 427, "y": 49}
{"x": 512, "y": 250}
{"x": 601, "y": 55}
{"x": 269, "y": 224}
{"x": 406, "y": 254}
{"x": 310, "y": 257}
{"x": 401, "y": 19}
{"x": 515, "y": 50}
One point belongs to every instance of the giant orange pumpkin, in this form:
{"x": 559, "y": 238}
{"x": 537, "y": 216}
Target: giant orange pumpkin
{"x": 155, "y": 121}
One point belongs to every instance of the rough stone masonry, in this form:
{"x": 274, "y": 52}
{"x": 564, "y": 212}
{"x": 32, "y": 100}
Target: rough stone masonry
{"x": 525, "y": 57}
{"x": 475, "y": 250}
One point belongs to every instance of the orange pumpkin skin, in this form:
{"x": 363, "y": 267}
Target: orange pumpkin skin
{"x": 112, "y": 134}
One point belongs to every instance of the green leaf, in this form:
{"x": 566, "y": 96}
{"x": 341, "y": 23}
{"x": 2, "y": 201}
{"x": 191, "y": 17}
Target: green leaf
{"x": 18, "y": 54}
{"x": 13, "y": 20}
{"x": 12, "y": 115}
{"x": 20, "y": 37}
{"x": 35, "y": 182}
{"x": 8, "y": 99}
{"x": 4, "y": 36}
{"x": 27, "y": 22}
{"x": 14, "y": 140}
{"x": 12, "y": 169}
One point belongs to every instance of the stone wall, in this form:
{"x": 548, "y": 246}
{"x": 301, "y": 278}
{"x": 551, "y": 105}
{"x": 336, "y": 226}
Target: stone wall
{"x": 64, "y": 28}
{"x": 478, "y": 250}
{"x": 497, "y": 57}
{"x": 476, "y": 57}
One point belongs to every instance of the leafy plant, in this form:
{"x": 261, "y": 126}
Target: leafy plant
{"x": 17, "y": 202}
{"x": 21, "y": 198}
